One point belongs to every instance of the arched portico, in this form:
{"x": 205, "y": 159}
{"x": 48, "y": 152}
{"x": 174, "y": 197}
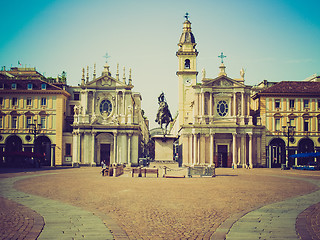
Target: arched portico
{"x": 13, "y": 145}
{"x": 305, "y": 145}
{"x": 42, "y": 145}
{"x": 277, "y": 153}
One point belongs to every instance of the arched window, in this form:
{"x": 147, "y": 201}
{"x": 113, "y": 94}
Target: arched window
{"x": 187, "y": 64}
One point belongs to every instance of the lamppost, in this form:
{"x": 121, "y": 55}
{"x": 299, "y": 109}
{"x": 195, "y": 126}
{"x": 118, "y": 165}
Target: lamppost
{"x": 288, "y": 131}
{"x": 34, "y": 129}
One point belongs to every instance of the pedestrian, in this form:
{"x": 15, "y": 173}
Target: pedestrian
{"x": 104, "y": 167}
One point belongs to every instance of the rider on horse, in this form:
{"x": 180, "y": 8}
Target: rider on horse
{"x": 163, "y": 115}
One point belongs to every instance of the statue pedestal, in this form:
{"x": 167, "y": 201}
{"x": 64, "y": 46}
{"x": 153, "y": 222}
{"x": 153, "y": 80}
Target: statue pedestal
{"x": 163, "y": 148}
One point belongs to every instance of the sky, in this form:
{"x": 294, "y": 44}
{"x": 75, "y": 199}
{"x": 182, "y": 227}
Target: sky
{"x": 275, "y": 40}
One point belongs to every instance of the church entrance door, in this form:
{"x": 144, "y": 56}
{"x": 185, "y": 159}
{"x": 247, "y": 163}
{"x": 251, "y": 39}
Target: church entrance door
{"x": 222, "y": 155}
{"x": 105, "y": 153}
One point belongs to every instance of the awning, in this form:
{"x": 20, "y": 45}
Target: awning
{"x": 23, "y": 154}
{"x": 303, "y": 155}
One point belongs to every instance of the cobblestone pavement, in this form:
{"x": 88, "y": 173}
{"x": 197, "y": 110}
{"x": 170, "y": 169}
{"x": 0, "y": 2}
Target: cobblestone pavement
{"x": 18, "y": 222}
{"x": 308, "y": 223}
{"x": 278, "y": 220}
{"x": 160, "y": 208}
{"x": 62, "y": 221}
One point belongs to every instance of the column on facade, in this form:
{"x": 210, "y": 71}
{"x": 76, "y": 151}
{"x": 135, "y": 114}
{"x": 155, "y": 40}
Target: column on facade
{"x": 117, "y": 104}
{"x": 190, "y": 149}
{"x": 84, "y": 101}
{"x": 124, "y": 106}
{"x": 242, "y": 104}
{"x": 198, "y": 149}
{"x": 211, "y": 148}
{"x": 250, "y": 150}
{"x": 243, "y": 150}
{"x": 199, "y": 104}
{"x": 258, "y": 150}
{"x": 93, "y": 102}
{"x": 84, "y": 149}
{"x": 234, "y": 104}
{"x": 53, "y": 155}
{"x": 248, "y": 105}
{"x": 129, "y": 149}
{"x": 115, "y": 148}
{"x": 195, "y": 149}
{"x": 234, "y": 150}
{"x": 211, "y": 105}
{"x": 93, "y": 149}
{"x": 202, "y": 104}
{"x": 76, "y": 149}
{"x": 239, "y": 146}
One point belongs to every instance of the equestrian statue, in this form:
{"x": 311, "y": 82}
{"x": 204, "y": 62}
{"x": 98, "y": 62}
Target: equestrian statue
{"x": 163, "y": 115}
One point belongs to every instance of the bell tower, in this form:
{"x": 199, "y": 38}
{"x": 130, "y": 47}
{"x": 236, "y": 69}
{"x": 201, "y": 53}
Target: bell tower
{"x": 187, "y": 72}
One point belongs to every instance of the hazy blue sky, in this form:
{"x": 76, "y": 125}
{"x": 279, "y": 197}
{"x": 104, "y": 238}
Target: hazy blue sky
{"x": 271, "y": 39}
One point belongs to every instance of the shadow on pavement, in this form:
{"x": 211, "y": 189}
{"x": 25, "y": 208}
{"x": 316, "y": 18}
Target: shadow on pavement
{"x": 41, "y": 169}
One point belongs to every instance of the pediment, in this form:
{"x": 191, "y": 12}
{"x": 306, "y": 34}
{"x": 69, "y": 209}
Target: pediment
{"x": 222, "y": 81}
{"x": 106, "y": 81}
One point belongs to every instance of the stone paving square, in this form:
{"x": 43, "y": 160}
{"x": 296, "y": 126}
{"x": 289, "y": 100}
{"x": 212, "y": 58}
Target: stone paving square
{"x": 161, "y": 208}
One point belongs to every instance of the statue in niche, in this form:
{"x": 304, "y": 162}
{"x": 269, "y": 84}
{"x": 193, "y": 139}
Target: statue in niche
{"x": 163, "y": 115}
{"x": 76, "y": 110}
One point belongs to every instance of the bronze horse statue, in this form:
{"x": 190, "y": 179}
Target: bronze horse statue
{"x": 163, "y": 115}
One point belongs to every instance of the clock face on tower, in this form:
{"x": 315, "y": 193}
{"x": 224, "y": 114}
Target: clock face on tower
{"x": 187, "y": 82}
{"x": 105, "y": 107}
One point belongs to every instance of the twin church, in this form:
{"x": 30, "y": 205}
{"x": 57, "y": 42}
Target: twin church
{"x": 214, "y": 122}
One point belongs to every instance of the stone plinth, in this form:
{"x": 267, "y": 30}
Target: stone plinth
{"x": 163, "y": 148}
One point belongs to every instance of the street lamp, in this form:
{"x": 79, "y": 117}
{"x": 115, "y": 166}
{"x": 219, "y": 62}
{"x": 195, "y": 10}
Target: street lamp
{"x": 34, "y": 129}
{"x": 288, "y": 131}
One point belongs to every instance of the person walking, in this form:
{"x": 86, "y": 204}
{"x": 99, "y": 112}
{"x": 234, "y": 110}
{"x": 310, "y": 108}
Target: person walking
{"x": 104, "y": 167}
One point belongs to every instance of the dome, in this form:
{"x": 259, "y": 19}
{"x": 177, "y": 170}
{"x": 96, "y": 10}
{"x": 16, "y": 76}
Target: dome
{"x": 187, "y": 36}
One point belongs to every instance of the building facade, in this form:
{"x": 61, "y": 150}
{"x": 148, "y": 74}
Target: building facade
{"x": 295, "y": 104}
{"x": 214, "y": 121}
{"x": 108, "y": 122}
{"x": 27, "y": 101}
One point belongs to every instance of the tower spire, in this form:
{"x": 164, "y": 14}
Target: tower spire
{"x": 117, "y": 74}
{"x": 124, "y": 75}
{"x": 187, "y": 40}
{"x": 129, "y": 80}
{"x": 87, "y": 74}
{"x": 82, "y": 79}
{"x": 94, "y": 71}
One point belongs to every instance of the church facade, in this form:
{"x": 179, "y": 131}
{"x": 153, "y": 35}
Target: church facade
{"x": 108, "y": 122}
{"x": 214, "y": 122}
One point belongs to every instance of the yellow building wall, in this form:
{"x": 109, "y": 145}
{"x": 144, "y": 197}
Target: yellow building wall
{"x": 60, "y": 109}
{"x": 299, "y": 104}
{"x": 263, "y": 111}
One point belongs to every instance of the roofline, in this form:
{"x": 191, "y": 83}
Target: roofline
{"x": 284, "y": 94}
{"x": 63, "y": 92}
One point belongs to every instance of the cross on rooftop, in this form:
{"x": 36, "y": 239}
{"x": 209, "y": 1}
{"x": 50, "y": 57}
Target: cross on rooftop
{"x": 222, "y": 57}
{"x": 106, "y": 56}
{"x": 187, "y": 16}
